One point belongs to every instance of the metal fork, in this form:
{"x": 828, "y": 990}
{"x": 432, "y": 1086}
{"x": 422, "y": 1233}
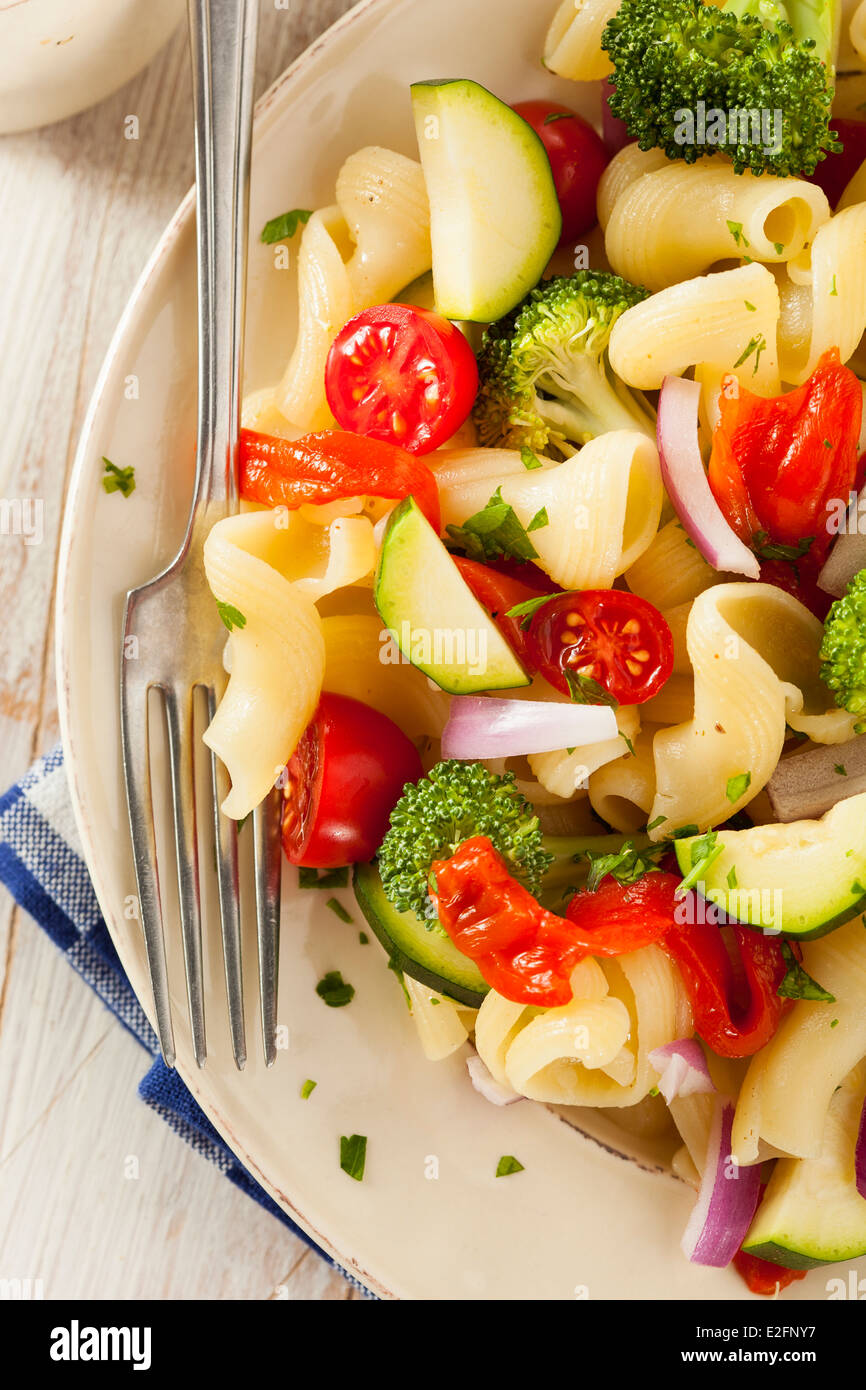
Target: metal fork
{"x": 179, "y": 637}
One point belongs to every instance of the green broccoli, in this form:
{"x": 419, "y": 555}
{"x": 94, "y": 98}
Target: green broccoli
{"x": 843, "y": 650}
{"x": 741, "y": 60}
{"x": 455, "y": 801}
{"x": 545, "y": 378}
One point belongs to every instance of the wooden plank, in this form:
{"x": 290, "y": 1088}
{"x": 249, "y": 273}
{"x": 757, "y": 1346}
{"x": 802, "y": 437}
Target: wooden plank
{"x": 81, "y": 207}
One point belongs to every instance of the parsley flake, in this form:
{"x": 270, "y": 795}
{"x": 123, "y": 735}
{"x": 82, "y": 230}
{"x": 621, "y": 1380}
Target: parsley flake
{"x": 654, "y": 824}
{"x": 754, "y": 345}
{"x": 230, "y": 616}
{"x": 586, "y": 691}
{"x": 704, "y": 852}
{"x": 494, "y": 532}
{"x": 338, "y": 909}
{"x": 283, "y": 227}
{"x": 833, "y": 289}
{"x": 118, "y": 479}
{"x": 839, "y": 770}
{"x": 334, "y": 991}
{"x": 738, "y": 786}
{"x": 736, "y": 231}
{"x": 529, "y": 608}
{"x": 508, "y": 1164}
{"x": 353, "y": 1155}
{"x": 307, "y": 1089}
{"x": 732, "y": 877}
{"x": 538, "y": 521}
{"x": 363, "y": 938}
{"x": 331, "y": 878}
{"x": 529, "y": 460}
{"x": 628, "y": 743}
{"x": 797, "y": 984}
{"x": 558, "y": 116}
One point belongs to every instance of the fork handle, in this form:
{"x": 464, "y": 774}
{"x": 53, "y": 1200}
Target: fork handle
{"x": 223, "y": 49}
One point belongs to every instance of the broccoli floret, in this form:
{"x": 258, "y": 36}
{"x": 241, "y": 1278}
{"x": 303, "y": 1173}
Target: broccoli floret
{"x": 545, "y": 380}
{"x": 742, "y": 57}
{"x": 843, "y": 650}
{"x": 432, "y": 819}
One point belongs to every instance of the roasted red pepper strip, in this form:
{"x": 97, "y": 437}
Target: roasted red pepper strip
{"x": 525, "y": 952}
{"x": 329, "y": 466}
{"x": 779, "y": 465}
{"x": 704, "y": 963}
{"x": 762, "y": 1276}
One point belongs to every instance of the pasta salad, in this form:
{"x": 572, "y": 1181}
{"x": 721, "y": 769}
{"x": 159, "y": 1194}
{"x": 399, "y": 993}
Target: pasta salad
{"x": 547, "y": 596}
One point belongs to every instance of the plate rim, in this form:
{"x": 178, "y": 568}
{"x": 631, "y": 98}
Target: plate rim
{"x": 265, "y": 111}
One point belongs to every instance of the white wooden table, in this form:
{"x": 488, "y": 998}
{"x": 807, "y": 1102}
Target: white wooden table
{"x": 80, "y": 210}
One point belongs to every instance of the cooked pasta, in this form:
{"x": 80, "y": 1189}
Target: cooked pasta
{"x": 728, "y": 319}
{"x": 754, "y": 650}
{"x": 325, "y": 303}
{"x": 830, "y": 309}
{"x": 603, "y": 508}
{"x": 671, "y": 570}
{"x": 278, "y": 658}
{"x": 442, "y": 1025}
{"x": 676, "y": 222}
{"x": 363, "y": 661}
{"x": 806, "y": 1049}
{"x": 622, "y": 792}
{"x": 383, "y": 199}
{"x": 467, "y": 478}
{"x": 573, "y": 44}
{"x": 567, "y": 771}
{"x": 857, "y": 30}
{"x": 623, "y": 171}
{"x": 595, "y": 1050}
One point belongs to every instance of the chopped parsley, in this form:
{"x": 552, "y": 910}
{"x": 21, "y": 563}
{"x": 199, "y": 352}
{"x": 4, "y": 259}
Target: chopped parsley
{"x": 558, "y": 116}
{"x": 732, "y": 877}
{"x": 283, "y": 227}
{"x": 586, "y": 691}
{"x": 704, "y": 852}
{"x": 529, "y": 608}
{"x": 334, "y": 991}
{"x": 508, "y": 1164}
{"x": 307, "y": 1089}
{"x": 231, "y": 617}
{"x": 772, "y": 550}
{"x": 118, "y": 479}
{"x": 654, "y": 1091}
{"x": 857, "y": 889}
{"x": 363, "y": 938}
{"x": 779, "y": 247}
{"x": 834, "y": 1023}
{"x": 833, "y": 289}
{"x": 626, "y": 865}
{"x": 736, "y": 231}
{"x": 752, "y": 308}
{"x": 331, "y": 878}
{"x": 628, "y": 743}
{"x": 353, "y": 1155}
{"x": 654, "y": 824}
{"x": 338, "y": 909}
{"x": 494, "y": 532}
{"x": 538, "y": 521}
{"x": 797, "y": 984}
{"x": 839, "y": 770}
{"x": 529, "y": 460}
{"x": 684, "y": 832}
{"x": 738, "y": 786}
{"x": 754, "y": 345}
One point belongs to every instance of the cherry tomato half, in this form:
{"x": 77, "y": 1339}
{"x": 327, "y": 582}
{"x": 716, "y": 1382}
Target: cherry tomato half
{"x": 577, "y": 158}
{"x": 342, "y": 782}
{"x": 613, "y": 637}
{"x": 403, "y": 375}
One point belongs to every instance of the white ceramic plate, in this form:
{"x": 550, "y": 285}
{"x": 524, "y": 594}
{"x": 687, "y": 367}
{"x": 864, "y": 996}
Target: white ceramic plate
{"x": 580, "y": 1221}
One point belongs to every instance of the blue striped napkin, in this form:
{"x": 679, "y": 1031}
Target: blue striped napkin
{"x": 42, "y": 866}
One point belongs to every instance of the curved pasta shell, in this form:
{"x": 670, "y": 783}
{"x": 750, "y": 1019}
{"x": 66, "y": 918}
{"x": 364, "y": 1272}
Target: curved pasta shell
{"x": 325, "y": 302}
{"x": 829, "y": 310}
{"x": 278, "y": 658}
{"x": 573, "y": 44}
{"x": 383, "y": 198}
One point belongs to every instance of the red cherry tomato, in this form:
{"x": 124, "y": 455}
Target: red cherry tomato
{"x": 497, "y": 592}
{"x": 608, "y": 635}
{"x": 577, "y": 157}
{"x": 403, "y": 375}
{"x": 342, "y": 782}
{"x": 837, "y": 170}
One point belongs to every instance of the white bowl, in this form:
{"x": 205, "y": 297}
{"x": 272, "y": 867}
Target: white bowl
{"x": 579, "y": 1221}
{"x": 59, "y": 56}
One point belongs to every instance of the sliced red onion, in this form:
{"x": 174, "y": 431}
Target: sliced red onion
{"x": 727, "y": 1200}
{"x": 686, "y": 482}
{"x": 614, "y": 132}
{"x": 848, "y": 556}
{"x": 860, "y": 1156}
{"x": 487, "y": 1085}
{"x": 482, "y": 727}
{"x": 682, "y": 1069}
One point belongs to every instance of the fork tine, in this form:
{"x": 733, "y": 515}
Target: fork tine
{"x": 136, "y": 761}
{"x": 226, "y": 841}
{"x": 179, "y": 720}
{"x": 266, "y": 832}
